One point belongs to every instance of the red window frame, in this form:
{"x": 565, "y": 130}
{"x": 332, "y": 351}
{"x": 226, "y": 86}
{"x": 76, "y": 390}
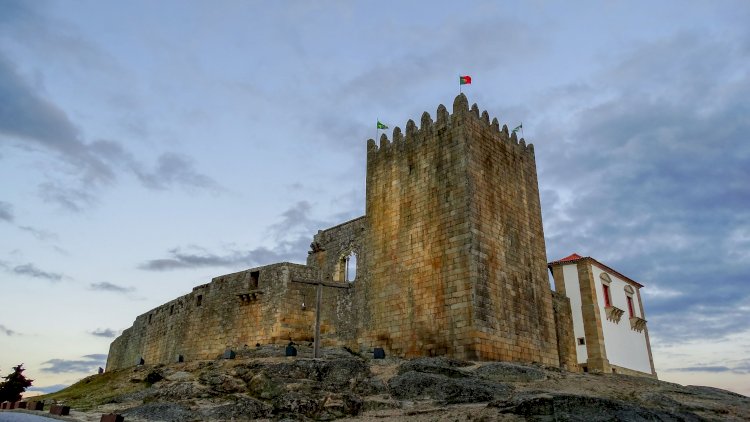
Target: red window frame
{"x": 607, "y": 301}
{"x": 630, "y": 307}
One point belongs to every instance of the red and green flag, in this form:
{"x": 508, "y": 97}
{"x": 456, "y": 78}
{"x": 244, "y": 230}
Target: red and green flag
{"x": 464, "y": 80}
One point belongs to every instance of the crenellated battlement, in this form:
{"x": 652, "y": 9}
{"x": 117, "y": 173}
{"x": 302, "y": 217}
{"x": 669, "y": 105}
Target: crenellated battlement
{"x": 449, "y": 260}
{"x": 462, "y": 115}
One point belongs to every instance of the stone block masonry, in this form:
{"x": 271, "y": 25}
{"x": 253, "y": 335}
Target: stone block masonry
{"x": 450, "y": 260}
{"x": 455, "y": 243}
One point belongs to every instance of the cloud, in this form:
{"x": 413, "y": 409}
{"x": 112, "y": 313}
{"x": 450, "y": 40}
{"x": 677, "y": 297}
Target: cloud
{"x": 109, "y": 287}
{"x": 703, "y": 369}
{"x": 292, "y": 236}
{"x": 176, "y": 169}
{"x": 31, "y": 270}
{"x": 48, "y": 389}
{"x": 171, "y": 169}
{"x": 737, "y": 367}
{"x": 39, "y": 233}
{"x": 6, "y": 212}
{"x": 648, "y": 171}
{"x": 89, "y": 363}
{"x": 7, "y": 331}
{"x": 27, "y": 117}
{"x": 104, "y": 332}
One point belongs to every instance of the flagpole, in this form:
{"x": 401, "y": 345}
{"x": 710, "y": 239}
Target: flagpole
{"x": 459, "y": 84}
{"x": 522, "y": 131}
{"x": 377, "y": 130}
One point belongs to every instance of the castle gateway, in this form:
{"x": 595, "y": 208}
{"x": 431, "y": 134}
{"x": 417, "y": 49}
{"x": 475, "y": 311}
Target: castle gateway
{"x": 449, "y": 260}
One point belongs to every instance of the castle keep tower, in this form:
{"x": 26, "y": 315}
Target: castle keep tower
{"x": 450, "y": 260}
{"x": 455, "y": 246}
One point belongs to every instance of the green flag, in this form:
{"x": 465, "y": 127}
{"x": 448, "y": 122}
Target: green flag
{"x": 519, "y": 127}
{"x": 381, "y": 126}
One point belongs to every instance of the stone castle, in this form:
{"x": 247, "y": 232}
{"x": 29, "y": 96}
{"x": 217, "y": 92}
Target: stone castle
{"x": 448, "y": 260}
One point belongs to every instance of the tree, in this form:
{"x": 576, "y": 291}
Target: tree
{"x": 14, "y": 385}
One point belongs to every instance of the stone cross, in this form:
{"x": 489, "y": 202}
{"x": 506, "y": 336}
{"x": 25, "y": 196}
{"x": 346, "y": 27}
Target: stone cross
{"x": 318, "y": 299}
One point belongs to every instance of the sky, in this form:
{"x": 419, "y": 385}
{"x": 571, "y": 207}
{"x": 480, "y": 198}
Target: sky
{"x": 146, "y": 147}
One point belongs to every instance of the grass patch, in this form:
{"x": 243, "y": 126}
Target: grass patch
{"x": 99, "y": 389}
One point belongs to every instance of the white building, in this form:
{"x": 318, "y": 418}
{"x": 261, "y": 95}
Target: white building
{"x": 609, "y": 324}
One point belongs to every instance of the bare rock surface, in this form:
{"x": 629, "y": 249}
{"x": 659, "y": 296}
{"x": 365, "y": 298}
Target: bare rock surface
{"x": 166, "y": 412}
{"x": 266, "y": 385}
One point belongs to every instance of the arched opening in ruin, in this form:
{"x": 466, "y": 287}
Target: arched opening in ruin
{"x": 346, "y": 268}
{"x": 351, "y": 267}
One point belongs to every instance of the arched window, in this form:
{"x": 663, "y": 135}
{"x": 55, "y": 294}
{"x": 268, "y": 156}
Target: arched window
{"x": 629, "y": 291}
{"x": 346, "y": 267}
{"x": 606, "y": 281}
{"x": 351, "y": 267}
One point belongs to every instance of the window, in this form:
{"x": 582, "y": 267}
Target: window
{"x": 346, "y": 268}
{"x": 630, "y": 307}
{"x": 629, "y": 292}
{"x": 606, "y": 280}
{"x": 254, "y": 276}
{"x": 351, "y": 267}
{"x": 199, "y": 300}
{"x": 171, "y": 310}
{"x": 149, "y": 318}
{"x": 581, "y": 341}
{"x": 607, "y": 301}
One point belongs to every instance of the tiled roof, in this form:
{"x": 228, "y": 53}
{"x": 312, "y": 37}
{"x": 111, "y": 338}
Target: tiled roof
{"x": 569, "y": 258}
{"x": 575, "y": 257}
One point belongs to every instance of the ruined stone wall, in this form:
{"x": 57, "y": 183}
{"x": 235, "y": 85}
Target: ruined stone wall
{"x": 343, "y": 309}
{"x": 232, "y": 311}
{"x": 451, "y": 261}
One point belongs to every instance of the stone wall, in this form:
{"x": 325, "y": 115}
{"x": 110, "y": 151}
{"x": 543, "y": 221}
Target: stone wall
{"x": 259, "y": 305}
{"x": 513, "y": 315}
{"x": 566, "y": 342}
{"x": 451, "y": 261}
{"x": 456, "y": 249}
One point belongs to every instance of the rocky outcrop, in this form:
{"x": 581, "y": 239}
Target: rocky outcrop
{"x": 571, "y": 407}
{"x": 348, "y": 387}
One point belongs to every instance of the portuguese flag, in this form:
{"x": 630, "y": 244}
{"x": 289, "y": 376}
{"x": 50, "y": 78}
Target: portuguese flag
{"x": 464, "y": 80}
{"x": 381, "y": 126}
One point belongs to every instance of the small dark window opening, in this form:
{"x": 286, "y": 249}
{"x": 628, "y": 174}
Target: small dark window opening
{"x": 171, "y": 310}
{"x": 630, "y": 307}
{"x": 581, "y": 341}
{"x": 585, "y": 369}
{"x": 199, "y": 300}
{"x": 149, "y": 318}
{"x": 254, "y": 276}
{"x": 411, "y": 168}
{"x": 605, "y": 289}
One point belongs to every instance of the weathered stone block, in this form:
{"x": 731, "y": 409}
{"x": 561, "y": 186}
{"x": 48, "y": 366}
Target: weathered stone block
{"x": 59, "y": 410}
{"x": 112, "y": 417}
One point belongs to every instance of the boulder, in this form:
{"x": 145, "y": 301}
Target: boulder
{"x": 243, "y": 408}
{"x": 263, "y": 387}
{"x": 294, "y": 404}
{"x": 221, "y": 382}
{"x": 571, "y": 407}
{"x": 179, "y": 391}
{"x": 509, "y": 372}
{"x": 163, "y": 412}
{"x": 437, "y": 365}
{"x": 447, "y": 390}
